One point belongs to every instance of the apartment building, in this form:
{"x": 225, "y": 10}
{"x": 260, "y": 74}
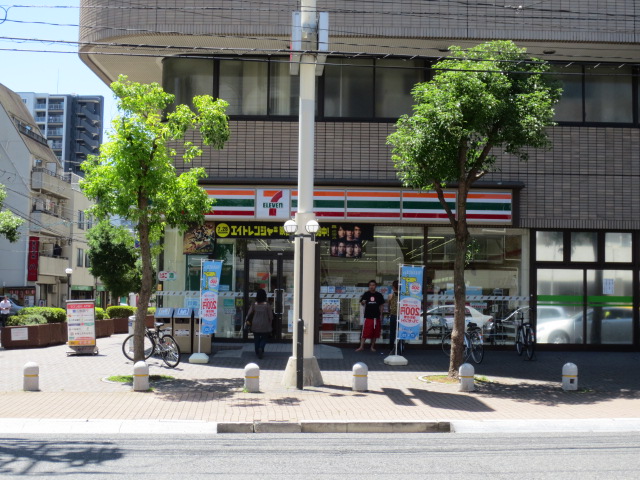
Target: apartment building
{"x": 562, "y": 230}
{"x": 72, "y": 125}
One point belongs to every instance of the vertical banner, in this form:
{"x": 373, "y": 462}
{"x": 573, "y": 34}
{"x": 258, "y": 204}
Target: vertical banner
{"x": 32, "y": 259}
{"x": 410, "y": 302}
{"x": 209, "y": 286}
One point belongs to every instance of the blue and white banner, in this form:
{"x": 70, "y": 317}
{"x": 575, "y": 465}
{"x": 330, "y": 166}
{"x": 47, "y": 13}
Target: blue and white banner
{"x": 410, "y": 302}
{"x": 209, "y": 286}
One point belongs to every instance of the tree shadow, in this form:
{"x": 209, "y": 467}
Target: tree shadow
{"x": 31, "y": 457}
{"x": 209, "y": 388}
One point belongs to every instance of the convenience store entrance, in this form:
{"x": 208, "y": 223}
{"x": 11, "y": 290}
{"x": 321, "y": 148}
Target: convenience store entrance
{"x": 272, "y": 271}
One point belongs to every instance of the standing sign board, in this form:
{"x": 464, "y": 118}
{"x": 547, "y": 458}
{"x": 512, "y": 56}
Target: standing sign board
{"x": 81, "y": 326}
{"x": 410, "y": 302}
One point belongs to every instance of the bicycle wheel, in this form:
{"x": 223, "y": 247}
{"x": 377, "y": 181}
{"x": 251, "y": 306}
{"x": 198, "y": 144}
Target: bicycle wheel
{"x": 519, "y": 340}
{"x": 446, "y": 344}
{"x": 127, "y": 347}
{"x": 170, "y": 351}
{"x": 477, "y": 348}
{"x": 530, "y": 343}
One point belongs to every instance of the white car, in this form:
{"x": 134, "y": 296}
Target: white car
{"x": 437, "y": 315}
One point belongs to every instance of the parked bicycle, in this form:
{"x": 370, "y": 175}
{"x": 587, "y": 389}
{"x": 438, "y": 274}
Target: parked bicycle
{"x": 156, "y": 342}
{"x": 473, "y": 344}
{"x": 525, "y": 338}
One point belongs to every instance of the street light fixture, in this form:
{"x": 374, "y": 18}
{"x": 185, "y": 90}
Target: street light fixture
{"x": 291, "y": 227}
{"x": 68, "y": 271}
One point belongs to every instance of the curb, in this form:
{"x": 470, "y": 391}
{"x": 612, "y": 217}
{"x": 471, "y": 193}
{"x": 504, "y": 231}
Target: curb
{"x": 334, "y": 427}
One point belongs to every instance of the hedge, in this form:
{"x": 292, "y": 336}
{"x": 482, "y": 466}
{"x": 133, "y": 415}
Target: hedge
{"x": 120, "y": 311}
{"x": 51, "y": 314}
{"x": 28, "y": 319}
{"x": 101, "y": 314}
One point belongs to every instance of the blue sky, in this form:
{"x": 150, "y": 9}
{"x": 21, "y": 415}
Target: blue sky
{"x": 46, "y": 71}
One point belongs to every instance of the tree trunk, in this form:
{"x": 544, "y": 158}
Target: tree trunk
{"x": 459, "y": 287}
{"x": 147, "y": 282}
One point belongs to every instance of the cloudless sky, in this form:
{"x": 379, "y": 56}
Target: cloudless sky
{"x": 35, "y": 66}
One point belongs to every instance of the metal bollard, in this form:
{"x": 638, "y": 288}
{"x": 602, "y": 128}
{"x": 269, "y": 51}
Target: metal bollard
{"x": 140, "y": 377}
{"x": 31, "y": 380}
{"x": 360, "y": 377}
{"x": 252, "y": 378}
{"x": 465, "y": 374}
{"x": 570, "y": 376}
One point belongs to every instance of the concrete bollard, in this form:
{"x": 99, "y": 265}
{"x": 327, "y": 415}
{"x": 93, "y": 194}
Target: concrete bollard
{"x": 252, "y": 378}
{"x": 360, "y": 382}
{"x": 465, "y": 374}
{"x": 31, "y": 381}
{"x": 569, "y": 376}
{"x": 140, "y": 377}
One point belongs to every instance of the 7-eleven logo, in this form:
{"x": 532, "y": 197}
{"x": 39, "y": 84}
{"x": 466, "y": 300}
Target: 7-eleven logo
{"x": 273, "y": 204}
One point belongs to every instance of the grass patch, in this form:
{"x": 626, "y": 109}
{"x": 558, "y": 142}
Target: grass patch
{"x": 439, "y": 379}
{"x": 129, "y": 378}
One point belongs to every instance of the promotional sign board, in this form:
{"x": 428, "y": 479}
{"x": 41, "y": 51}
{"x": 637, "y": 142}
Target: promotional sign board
{"x": 330, "y": 310}
{"x": 410, "y": 302}
{"x": 81, "y": 325}
{"x": 209, "y": 286}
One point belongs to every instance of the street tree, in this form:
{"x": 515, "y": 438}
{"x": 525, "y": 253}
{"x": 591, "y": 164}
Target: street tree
{"x": 489, "y": 96}
{"x": 134, "y": 176}
{"x": 9, "y": 223}
{"x": 114, "y": 258}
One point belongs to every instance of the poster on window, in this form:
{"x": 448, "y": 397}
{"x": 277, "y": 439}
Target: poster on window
{"x": 209, "y": 287}
{"x": 330, "y": 310}
{"x": 410, "y": 302}
{"x": 346, "y": 239}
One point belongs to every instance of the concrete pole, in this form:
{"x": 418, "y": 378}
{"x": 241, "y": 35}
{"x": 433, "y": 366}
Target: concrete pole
{"x": 306, "y": 145}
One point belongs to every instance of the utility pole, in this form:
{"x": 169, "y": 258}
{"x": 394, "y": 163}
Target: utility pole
{"x": 306, "y": 39}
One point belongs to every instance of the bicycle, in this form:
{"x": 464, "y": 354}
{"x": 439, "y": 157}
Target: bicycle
{"x": 525, "y": 338}
{"x": 156, "y": 342}
{"x": 473, "y": 344}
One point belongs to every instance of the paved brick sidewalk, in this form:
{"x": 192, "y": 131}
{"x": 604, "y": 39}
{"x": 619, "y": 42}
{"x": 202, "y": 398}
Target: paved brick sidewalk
{"x": 72, "y": 387}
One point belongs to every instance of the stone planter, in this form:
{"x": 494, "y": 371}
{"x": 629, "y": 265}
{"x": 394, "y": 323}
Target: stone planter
{"x": 120, "y": 325}
{"x": 104, "y": 328}
{"x": 29, "y": 336}
{"x": 58, "y": 333}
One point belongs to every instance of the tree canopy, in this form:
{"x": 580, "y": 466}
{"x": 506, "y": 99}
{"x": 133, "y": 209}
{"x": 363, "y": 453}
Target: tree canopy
{"x": 114, "y": 258}
{"x": 9, "y": 223}
{"x": 134, "y": 176}
{"x": 491, "y": 95}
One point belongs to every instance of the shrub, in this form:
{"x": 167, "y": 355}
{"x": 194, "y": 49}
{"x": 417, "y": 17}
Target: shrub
{"x": 52, "y": 314}
{"x": 120, "y": 311}
{"x": 101, "y": 314}
{"x": 28, "y": 319}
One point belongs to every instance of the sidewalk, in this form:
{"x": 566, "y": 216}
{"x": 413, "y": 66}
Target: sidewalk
{"x": 73, "y": 387}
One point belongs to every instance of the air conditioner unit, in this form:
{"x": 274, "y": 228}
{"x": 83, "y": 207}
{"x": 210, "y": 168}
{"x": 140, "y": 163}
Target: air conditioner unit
{"x": 53, "y": 288}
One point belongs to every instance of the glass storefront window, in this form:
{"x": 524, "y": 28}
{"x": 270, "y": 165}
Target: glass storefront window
{"x": 560, "y": 303}
{"x": 343, "y": 280}
{"x": 609, "y": 307}
{"x": 394, "y": 81}
{"x": 584, "y": 246}
{"x": 617, "y": 247}
{"x": 549, "y": 246}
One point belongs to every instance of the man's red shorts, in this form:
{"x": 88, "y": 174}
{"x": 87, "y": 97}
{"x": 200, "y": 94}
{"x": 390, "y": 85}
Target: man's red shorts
{"x": 371, "y": 328}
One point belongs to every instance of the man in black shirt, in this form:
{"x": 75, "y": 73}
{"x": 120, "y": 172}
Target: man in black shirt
{"x": 372, "y": 302}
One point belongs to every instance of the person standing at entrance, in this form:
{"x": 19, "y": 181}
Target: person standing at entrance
{"x": 372, "y": 302}
{"x": 392, "y": 299}
{"x": 5, "y": 310}
{"x": 260, "y": 319}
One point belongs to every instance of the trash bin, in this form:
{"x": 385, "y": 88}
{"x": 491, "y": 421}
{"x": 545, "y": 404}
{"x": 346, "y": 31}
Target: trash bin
{"x": 205, "y": 341}
{"x": 183, "y": 328}
{"x": 163, "y": 315}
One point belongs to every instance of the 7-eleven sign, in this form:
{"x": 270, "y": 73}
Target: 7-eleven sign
{"x": 273, "y": 204}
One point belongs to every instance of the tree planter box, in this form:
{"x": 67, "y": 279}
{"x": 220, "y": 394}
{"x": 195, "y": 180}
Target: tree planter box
{"x": 58, "y": 333}
{"x": 120, "y": 325}
{"x": 30, "y": 336}
{"x": 104, "y": 328}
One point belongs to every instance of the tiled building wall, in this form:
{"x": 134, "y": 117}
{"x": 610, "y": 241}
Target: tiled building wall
{"x": 589, "y": 179}
{"x": 585, "y": 20}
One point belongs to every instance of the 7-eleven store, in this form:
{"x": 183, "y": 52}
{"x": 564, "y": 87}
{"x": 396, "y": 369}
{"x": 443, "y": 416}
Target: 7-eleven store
{"x": 380, "y": 230}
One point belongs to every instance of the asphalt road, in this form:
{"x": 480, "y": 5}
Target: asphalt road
{"x": 322, "y": 456}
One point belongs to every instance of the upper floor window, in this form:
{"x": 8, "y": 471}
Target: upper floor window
{"x": 80, "y": 219}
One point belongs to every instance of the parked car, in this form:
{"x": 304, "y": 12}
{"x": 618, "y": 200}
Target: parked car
{"x": 554, "y": 324}
{"x": 437, "y": 315}
{"x": 616, "y": 327}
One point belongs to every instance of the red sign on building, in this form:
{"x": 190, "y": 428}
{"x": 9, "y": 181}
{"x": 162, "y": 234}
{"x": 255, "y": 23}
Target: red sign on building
{"x": 32, "y": 261}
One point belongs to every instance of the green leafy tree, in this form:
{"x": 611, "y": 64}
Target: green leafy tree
{"x": 9, "y": 223}
{"x": 134, "y": 176}
{"x": 491, "y": 95}
{"x": 114, "y": 258}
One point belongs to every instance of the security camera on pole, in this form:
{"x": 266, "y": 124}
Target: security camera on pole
{"x": 309, "y": 35}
